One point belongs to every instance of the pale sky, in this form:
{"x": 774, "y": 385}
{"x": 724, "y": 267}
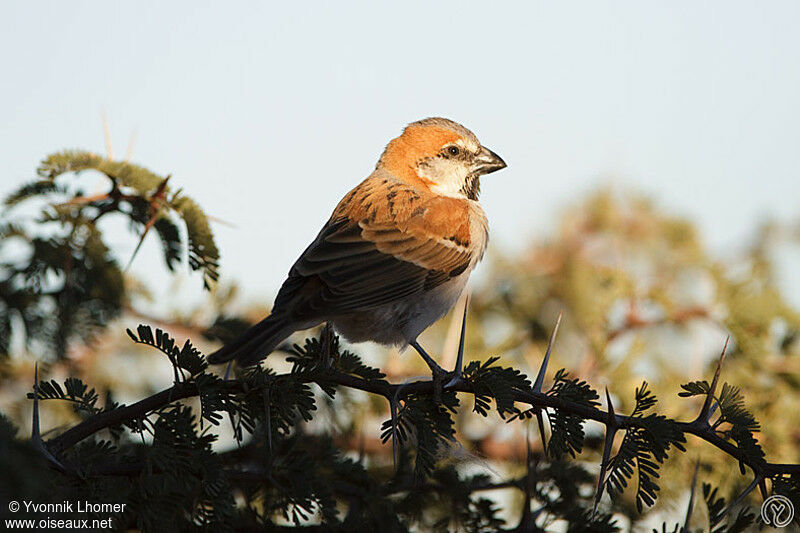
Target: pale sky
{"x": 267, "y": 113}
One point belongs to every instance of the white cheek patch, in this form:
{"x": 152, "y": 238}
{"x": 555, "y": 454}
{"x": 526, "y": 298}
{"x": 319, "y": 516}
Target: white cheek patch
{"x": 448, "y": 176}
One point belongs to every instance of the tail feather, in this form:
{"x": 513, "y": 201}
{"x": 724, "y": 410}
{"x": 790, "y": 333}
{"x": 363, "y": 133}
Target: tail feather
{"x": 256, "y": 343}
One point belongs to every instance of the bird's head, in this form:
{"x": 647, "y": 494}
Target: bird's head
{"x": 441, "y": 154}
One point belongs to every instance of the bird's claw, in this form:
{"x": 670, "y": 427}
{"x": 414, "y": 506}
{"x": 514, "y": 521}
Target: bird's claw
{"x": 455, "y": 378}
{"x": 444, "y": 380}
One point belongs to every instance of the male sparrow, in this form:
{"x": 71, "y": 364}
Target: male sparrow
{"x": 395, "y": 254}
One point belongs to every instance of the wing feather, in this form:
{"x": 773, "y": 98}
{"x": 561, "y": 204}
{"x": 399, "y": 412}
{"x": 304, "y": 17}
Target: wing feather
{"x": 372, "y": 252}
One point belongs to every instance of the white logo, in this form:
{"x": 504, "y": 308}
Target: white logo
{"x": 777, "y": 511}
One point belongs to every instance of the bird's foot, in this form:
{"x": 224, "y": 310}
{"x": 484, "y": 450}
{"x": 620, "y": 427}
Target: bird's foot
{"x": 438, "y": 374}
{"x": 446, "y": 379}
{"x": 455, "y": 378}
{"x": 442, "y": 379}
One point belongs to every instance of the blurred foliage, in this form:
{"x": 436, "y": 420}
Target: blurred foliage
{"x": 60, "y": 279}
{"x": 643, "y": 298}
{"x": 296, "y": 443}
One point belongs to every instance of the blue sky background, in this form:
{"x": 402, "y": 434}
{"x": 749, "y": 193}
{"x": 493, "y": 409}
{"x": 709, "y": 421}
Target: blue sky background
{"x": 267, "y": 113}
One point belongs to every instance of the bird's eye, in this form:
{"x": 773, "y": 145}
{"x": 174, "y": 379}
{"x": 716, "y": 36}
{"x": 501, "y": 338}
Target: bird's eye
{"x": 452, "y": 150}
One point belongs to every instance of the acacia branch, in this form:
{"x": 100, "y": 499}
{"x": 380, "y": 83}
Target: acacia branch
{"x": 187, "y": 389}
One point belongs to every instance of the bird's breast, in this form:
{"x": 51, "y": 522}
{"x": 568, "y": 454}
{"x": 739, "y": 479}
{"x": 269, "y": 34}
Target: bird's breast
{"x": 479, "y": 231}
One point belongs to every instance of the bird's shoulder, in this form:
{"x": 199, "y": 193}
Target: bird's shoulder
{"x": 383, "y": 202}
{"x": 386, "y": 240}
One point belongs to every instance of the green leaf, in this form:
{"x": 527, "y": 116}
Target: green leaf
{"x": 497, "y": 383}
{"x": 188, "y": 357}
{"x": 431, "y": 424}
{"x": 644, "y": 448}
{"x": 74, "y": 390}
{"x": 694, "y": 388}
{"x": 567, "y": 429}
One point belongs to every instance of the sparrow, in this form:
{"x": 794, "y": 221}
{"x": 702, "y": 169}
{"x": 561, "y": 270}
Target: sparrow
{"x": 395, "y": 254}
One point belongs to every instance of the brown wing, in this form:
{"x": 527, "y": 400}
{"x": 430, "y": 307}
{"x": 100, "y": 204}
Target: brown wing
{"x": 384, "y": 241}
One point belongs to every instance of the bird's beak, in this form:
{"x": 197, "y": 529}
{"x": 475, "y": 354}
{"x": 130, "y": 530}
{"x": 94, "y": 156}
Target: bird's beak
{"x": 487, "y": 162}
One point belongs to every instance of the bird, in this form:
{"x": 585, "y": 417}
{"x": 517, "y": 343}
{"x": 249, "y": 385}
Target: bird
{"x": 395, "y": 254}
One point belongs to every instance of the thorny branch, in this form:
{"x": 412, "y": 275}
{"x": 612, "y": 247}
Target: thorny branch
{"x": 699, "y": 427}
{"x": 327, "y": 376}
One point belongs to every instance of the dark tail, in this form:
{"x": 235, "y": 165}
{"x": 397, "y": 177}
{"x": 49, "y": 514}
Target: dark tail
{"x": 256, "y": 343}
